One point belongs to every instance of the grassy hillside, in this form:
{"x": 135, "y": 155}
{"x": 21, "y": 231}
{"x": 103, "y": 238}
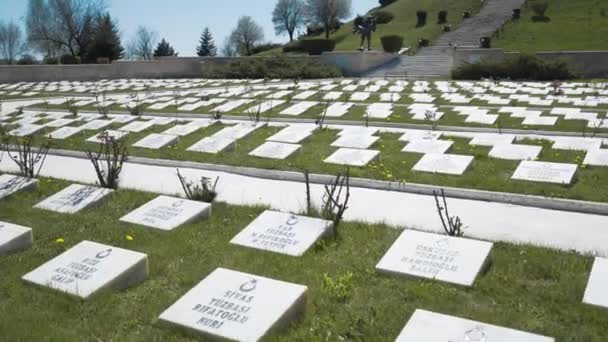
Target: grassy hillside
{"x": 404, "y": 23}
{"x": 573, "y": 25}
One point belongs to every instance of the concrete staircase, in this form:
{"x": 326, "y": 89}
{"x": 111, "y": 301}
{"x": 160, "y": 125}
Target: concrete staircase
{"x": 436, "y": 61}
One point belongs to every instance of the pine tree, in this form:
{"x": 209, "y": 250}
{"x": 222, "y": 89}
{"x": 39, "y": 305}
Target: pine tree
{"x": 105, "y": 42}
{"x": 164, "y": 49}
{"x": 206, "y": 46}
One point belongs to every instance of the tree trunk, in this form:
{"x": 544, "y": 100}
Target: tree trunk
{"x": 290, "y": 36}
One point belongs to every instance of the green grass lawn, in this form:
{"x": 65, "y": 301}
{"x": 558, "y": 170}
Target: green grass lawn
{"x": 394, "y": 165}
{"x": 526, "y": 288}
{"x": 404, "y": 23}
{"x": 574, "y": 25}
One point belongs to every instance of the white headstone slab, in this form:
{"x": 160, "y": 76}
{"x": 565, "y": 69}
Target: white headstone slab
{"x": 451, "y": 164}
{"x": 540, "y": 121}
{"x": 299, "y": 108}
{"x": 168, "y": 213}
{"x": 420, "y": 135}
{"x": 10, "y": 184}
{"x": 89, "y": 267}
{"x": 96, "y": 124}
{"x": 230, "y": 105}
{"x": 117, "y": 135}
{"x": 137, "y": 126}
{"x": 515, "y": 151}
{"x": 597, "y": 157}
{"x": 237, "y": 131}
{"x": 293, "y": 134}
{"x": 282, "y": 233}
{"x": 59, "y": 123}
{"x": 577, "y": 144}
{"x": 14, "y": 238}
{"x": 359, "y": 96}
{"x": 332, "y": 95}
{"x": 546, "y": 172}
{"x": 440, "y": 257}
{"x": 64, "y": 132}
{"x": 237, "y": 306}
{"x": 74, "y": 198}
{"x": 362, "y": 141}
{"x": 304, "y": 95}
{"x": 489, "y": 139}
{"x": 26, "y": 130}
{"x": 352, "y": 157}
{"x": 213, "y": 145}
{"x": 181, "y": 130}
{"x": 156, "y": 141}
{"x": 275, "y": 150}
{"x": 428, "y": 146}
{"x": 338, "y": 109}
{"x": 263, "y": 107}
{"x": 426, "y": 326}
{"x": 482, "y": 119}
{"x": 596, "y": 294}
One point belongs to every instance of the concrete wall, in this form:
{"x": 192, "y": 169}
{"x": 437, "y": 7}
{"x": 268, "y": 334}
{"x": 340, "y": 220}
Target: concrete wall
{"x": 357, "y": 63}
{"x": 592, "y": 64}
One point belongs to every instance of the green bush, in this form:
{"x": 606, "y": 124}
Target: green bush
{"x": 383, "y": 17}
{"x": 485, "y": 42}
{"x": 522, "y": 67}
{"x": 392, "y": 43}
{"x": 69, "y": 59}
{"x": 50, "y": 60}
{"x": 539, "y": 7}
{"x": 421, "y": 16}
{"x": 103, "y": 60}
{"x": 293, "y": 47}
{"x": 317, "y": 46}
{"x": 272, "y": 67}
{"x": 386, "y": 2}
{"x": 442, "y": 17}
{"x": 264, "y": 47}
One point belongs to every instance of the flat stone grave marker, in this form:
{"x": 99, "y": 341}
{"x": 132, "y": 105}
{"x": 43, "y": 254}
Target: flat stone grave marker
{"x": 59, "y": 123}
{"x": 304, "y": 95}
{"x": 96, "y": 124}
{"x": 213, "y": 145}
{"x": 237, "y": 131}
{"x": 451, "y": 164}
{"x": 577, "y": 144}
{"x": 182, "y": 130}
{"x": 167, "y": 213}
{"x": 332, "y": 95}
{"x": 338, "y": 109}
{"x": 74, "y": 198}
{"x": 489, "y": 139}
{"x": 293, "y": 134}
{"x": 596, "y": 294}
{"x": 355, "y": 141}
{"x": 90, "y": 267}
{"x": 237, "y": 306}
{"x": 352, "y": 157}
{"x": 545, "y": 172}
{"x": 427, "y": 326}
{"x": 439, "y": 257}
{"x": 597, "y": 157}
{"x": 299, "y": 108}
{"x": 488, "y": 119}
{"x": 359, "y": 96}
{"x": 14, "y": 238}
{"x": 117, "y": 135}
{"x": 10, "y": 184}
{"x": 137, "y": 126}
{"x": 230, "y": 105}
{"x": 26, "y": 130}
{"x": 428, "y": 146}
{"x": 64, "y": 132}
{"x": 515, "y": 151}
{"x": 275, "y": 150}
{"x": 156, "y": 141}
{"x": 540, "y": 121}
{"x": 282, "y": 233}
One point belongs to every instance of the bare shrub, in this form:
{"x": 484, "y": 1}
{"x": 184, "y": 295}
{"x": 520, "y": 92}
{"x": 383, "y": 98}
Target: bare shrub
{"x": 25, "y": 154}
{"x": 108, "y": 160}
{"x": 201, "y": 192}
{"x": 452, "y": 225}
{"x": 335, "y": 200}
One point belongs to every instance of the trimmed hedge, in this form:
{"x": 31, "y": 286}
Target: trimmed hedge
{"x": 317, "y": 46}
{"x": 523, "y": 67}
{"x": 272, "y": 67}
{"x": 392, "y": 43}
{"x": 383, "y": 17}
{"x": 264, "y": 47}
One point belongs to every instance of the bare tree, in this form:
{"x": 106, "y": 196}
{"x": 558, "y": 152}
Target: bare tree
{"x": 11, "y": 41}
{"x": 143, "y": 43}
{"x": 287, "y": 16}
{"x": 67, "y": 24}
{"x": 246, "y": 35}
{"x": 327, "y": 12}
{"x": 229, "y": 49}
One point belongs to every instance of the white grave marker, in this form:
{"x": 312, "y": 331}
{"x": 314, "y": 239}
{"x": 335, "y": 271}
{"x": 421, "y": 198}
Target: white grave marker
{"x": 440, "y": 257}
{"x": 167, "y": 213}
{"x": 74, "y": 198}
{"x": 11, "y": 184}
{"x": 451, "y": 164}
{"x": 89, "y": 267}
{"x": 427, "y": 326}
{"x": 596, "y": 294}
{"x": 515, "y": 152}
{"x": 352, "y": 157}
{"x": 546, "y": 172}
{"x": 14, "y": 238}
{"x": 237, "y": 306}
{"x": 275, "y": 150}
{"x": 282, "y": 233}
{"x": 155, "y": 141}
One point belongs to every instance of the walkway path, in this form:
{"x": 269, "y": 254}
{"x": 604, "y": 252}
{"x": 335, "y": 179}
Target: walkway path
{"x": 584, "y": 233}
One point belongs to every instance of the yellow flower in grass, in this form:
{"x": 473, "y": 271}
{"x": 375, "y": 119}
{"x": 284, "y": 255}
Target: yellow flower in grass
{"x": 60, "y": 240}
{"x": 129, "y": 238}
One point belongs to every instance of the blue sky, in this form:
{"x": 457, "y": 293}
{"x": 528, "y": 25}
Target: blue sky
{"x": 181, "y": 21}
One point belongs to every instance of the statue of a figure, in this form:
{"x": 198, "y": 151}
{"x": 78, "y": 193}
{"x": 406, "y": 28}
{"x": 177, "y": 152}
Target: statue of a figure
{"x": 365, "y": 27}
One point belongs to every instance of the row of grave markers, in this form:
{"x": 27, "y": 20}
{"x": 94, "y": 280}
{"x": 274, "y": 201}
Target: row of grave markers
{"x": 245, "y": 307}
